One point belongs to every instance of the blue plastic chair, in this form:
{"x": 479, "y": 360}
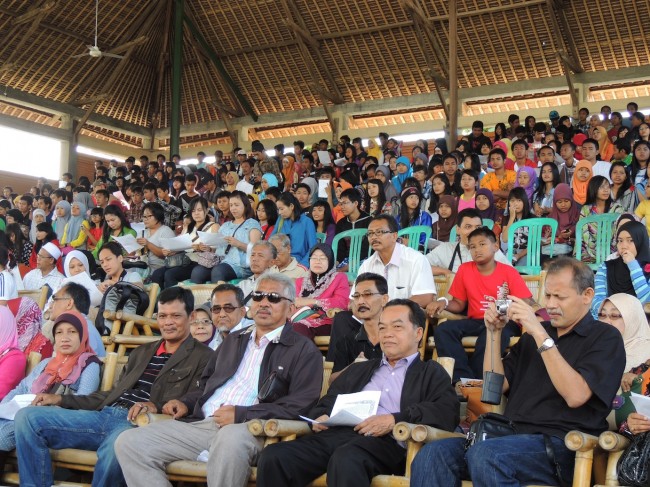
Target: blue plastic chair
{"x": 356, "y": 238}
{"x": 605, "y": 229}
{"x": 535, "y": 228}
{"x": 414, "y": 235}
{"x": 453, "y": 237}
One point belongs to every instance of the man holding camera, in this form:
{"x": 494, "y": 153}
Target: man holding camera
{"x": 561, "y": 376}
{"x": 477, "y": 284}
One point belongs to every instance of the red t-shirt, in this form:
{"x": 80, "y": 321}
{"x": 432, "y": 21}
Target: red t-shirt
{"x": 479, "y": 290}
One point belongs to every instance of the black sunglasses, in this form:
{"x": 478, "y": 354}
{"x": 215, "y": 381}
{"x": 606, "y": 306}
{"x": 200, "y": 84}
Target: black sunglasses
{"x": 273, "y": 298}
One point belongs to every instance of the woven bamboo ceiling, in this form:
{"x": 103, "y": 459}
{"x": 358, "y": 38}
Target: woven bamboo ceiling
{"x": 293, "y": 54}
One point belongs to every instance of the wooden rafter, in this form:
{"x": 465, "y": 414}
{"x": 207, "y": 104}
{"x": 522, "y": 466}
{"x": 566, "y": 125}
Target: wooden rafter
{"x": 426, "y": 27}
{"x": 314, "y": 60}
{"x": 561, "y": 28}
{"x": 163, "y": 61}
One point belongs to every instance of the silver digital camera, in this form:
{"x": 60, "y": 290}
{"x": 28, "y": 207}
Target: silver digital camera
{"x": 502, "y": 306}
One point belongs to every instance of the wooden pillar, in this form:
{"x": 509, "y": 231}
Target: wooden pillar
{"x": 69, "y": 147}
{"x": 453, "y": 76}
{"x": 177, "y": 71}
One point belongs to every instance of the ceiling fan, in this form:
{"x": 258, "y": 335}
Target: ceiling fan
{"x": 94, "y": 50}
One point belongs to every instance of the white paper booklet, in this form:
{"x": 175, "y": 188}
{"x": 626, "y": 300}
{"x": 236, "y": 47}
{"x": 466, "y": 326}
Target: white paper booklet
{"x": 211, "y": 239}
{"x": 351, "y": 409}
{"x": 129, "y": 243}
{"x": 9, "y": 409}
{"x": 176, "y": 244}
{"x": 641, "y": 403}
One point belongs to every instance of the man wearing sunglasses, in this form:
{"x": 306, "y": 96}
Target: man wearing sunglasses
{"x": 264, "y": 371}
{"x": 228, "y": 311}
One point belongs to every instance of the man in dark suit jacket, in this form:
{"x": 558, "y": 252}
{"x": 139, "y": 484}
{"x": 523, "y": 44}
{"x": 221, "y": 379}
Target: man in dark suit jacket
{"x": 411, "y": 390}
{"x": 265, "y": 371}
{"x": 155, "y": 374}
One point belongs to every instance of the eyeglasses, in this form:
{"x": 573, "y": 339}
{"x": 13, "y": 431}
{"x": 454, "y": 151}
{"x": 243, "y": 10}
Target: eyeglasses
{"x": 273, "y": 298}
{"x": 201, "y": 322}
{"x": 147, "y": 216}
{"x": 378, "y": 233}
{"x": 314, "y": 258}
{"x": 228, "y": 308}
{"x": 364, "y": 295}
{"x": 59, "y": 298}
{"x": 612, "y": 316}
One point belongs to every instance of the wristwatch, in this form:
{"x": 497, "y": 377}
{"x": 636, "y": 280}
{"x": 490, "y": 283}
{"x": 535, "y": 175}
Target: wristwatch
{"x": 546, "y": 344}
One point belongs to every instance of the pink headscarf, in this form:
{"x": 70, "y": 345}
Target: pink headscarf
{"x": 8, "y": 333}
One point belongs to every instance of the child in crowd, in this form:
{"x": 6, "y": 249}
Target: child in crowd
{"x": 410, "y": 213}
{"x": 468, "y": 183}
{"x": 581, "y": 178}
{"x": 440, "y": 186}
{"x": 543, "y": 195}
{"x": 446, "y": 218}
{"x": 518, "y": 209}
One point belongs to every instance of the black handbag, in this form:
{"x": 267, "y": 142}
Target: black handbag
{"x": 488, "y": 426}
{"x": 273, "y": 388}
{"x": 633, "y": 468}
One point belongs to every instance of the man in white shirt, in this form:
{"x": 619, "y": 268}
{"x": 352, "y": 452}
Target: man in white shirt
{"x": 589, "y": 153}
{"x": 403, "y": 267}
{"x": 232, "y": 392}
{"x": 45, "y": 272}
{"x": 447, "y": 257}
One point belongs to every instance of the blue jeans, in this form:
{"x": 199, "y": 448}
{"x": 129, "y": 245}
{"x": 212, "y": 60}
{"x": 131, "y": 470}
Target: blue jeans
{"x": 504, "y": 462}
{"x": 41, "y": 428}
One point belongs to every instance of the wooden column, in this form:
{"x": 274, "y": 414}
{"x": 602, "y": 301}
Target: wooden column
{"x": 453, "y": 76}
{"x": 177, "y": 72}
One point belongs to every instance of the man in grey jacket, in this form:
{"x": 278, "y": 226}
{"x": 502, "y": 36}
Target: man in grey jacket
{"x": 265, "y": 371}
{"x": 155, "y": 374}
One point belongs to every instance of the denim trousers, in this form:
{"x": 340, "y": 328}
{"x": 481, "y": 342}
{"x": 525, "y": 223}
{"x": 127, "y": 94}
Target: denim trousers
{"x": 40, "y": 428}
{"x": 500, "y": 462}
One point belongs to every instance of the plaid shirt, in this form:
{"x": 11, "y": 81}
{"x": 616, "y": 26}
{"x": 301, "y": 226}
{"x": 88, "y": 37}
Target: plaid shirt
{"x": 134, "y": 214}
{"x": 172, "y": 213}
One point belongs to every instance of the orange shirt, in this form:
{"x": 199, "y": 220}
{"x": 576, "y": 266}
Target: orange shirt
{"x": 492, "y": 182}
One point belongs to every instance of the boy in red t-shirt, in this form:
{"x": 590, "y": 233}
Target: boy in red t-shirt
{"x": 476, "y": 284}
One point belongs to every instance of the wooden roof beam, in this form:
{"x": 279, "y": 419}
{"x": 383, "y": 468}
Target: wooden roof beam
{"x": 33, "y": 12}
{"x": 304, "y": 34}
{"x": 425, "y": 27}
{"x": 163, "y": 60}
{"x": 560, "y": 30}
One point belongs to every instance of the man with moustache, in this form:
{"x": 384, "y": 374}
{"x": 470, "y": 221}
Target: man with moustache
{"x": 232, "y": 391}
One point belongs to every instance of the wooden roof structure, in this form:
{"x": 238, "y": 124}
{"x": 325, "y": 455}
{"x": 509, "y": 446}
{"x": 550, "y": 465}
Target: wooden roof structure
{"x": 260, "y": 57}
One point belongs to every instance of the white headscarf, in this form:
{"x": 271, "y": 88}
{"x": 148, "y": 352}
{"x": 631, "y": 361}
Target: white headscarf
{"x": 636, "y": 337}
{"x": 85, "y": 281}
{"x": 32, "y": 231}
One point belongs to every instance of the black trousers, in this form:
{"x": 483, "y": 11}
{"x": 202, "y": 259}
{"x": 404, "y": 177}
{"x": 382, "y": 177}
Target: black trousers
{"x": 449, "y": 337}
{"x": 350, "y": 459}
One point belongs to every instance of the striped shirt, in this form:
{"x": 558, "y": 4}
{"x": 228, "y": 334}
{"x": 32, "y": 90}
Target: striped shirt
{"x": 141, "y": 391}
{"x": 242, "y": 388}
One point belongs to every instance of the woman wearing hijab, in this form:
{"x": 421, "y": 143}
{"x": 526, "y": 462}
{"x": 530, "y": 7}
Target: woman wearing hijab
{"x": 202, "y": 328}
{"x": 324, "y": 289}
{"x": 289, "y": 171}
{"x": 62, "y": 211}
{"x": 605, "y": 147}
{"x": 77, "y": 263}
{"x": 404, "y": 170}
{"x": 580, "y": 182}
{"x": 313, "y": 188}
{"x": 73, "y": 235}
{"x": 628, "y": 273}
{"x": 28, "y": 326}
{"x": 12, "y": 359}
{"x": 383, "y": 174}
{"x": 86, "y": 200}
{"x": 74, "y": 370}
{"x": 566, "y": 213}
{"x": 232, "y": 178}
{"x": 447, "y": 213}
{"x": 527, "y": 179}
{"x": 268, "y": 181}
{"x": 38, "y": 216}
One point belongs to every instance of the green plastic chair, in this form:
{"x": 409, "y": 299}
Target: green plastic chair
{"x": 354, "y": 261}
{"x": 414, "y": 235}
{"x": 605, "y": 229}
{"x": 321, "y": 237}
{"x": 535, "y": 228}
{"x": 453, "y": 237}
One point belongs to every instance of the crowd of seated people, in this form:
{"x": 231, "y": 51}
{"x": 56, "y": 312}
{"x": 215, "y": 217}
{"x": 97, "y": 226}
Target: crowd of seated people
{"x": 261, "y": 230}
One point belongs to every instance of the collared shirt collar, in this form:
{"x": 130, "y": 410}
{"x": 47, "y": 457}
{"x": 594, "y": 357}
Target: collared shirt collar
{"x": 582, "y": 328}
{"x": 396, "y": 257}
{"x": 403, "y": 361}
{"x": 272, "y": 336}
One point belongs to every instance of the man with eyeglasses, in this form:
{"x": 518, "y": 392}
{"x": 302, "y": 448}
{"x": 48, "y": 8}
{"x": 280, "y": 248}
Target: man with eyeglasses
{"x": 405, "y": 269}
{"x": 155, "y": 373}
{"x": 263, "y": 255}
{"x": 264, "y": 371}
{"x": 228, "y": 312}
{"x": 353, "y": 218}
{"x": 358, "y": 343}
{"x": 45, "y": 273}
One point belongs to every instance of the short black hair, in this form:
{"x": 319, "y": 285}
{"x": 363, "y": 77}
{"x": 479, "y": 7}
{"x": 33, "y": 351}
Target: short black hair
{"x": 390, "y": 221}
{"x": 227, "y": 287}
{"x": 163, "y": 186}
{"x": 416, "y": 313}
{"x": 190, "y": 178}
{"x": 477, "y": 124}
{"x": 353, "y": 195}
{"x": 467, "y": 213}
{"x": 583, "y": 276}
{"x": 591, "y": 141}
{"x": 113, "y": 247}
{"x": 498, "y": 152}
{"x": 136, "y": 189}
{"x": 380, "y": 281}
{"x": 512, "y": 118}
{"x": 47, "y": 200}
{"x": 519, "y": 142}
{"x": 303, "y": 186}
{"x": 568, "y": 142}
{"x": 79, "y": 295}
{"x": 177, "y": 293}
{"x": 484, "y": 232}
{"x": 624, "y": 145}
{"x": 150, "y": 186}
{"x": 103, "y": 192}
